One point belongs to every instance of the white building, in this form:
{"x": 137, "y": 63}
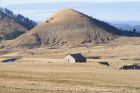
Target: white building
{"x": 75, "y": 58}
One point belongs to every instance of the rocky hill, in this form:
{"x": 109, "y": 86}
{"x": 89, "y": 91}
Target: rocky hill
{"x": 68, "y": 27}
{"x": 11, "y": 25}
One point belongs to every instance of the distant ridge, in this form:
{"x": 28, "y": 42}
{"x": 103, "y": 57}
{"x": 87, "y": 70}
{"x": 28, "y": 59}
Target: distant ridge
{"x": 127, "y": 27}
{"x": 68, "y": 27}
{"x": 11, "y": 25}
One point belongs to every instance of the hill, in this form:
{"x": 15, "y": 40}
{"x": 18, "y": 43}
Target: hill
{"x": 11, "y": 25}
{"x": 137, "y": 27}
{"x": 127, "y": 27}
{"x": 68, "y": 27}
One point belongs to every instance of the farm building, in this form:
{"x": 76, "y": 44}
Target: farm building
{"x": 130, "y": 67}
{"x": 75, "y": 58}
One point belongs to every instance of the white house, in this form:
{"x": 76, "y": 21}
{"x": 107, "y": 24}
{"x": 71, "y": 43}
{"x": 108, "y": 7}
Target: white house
{"x": 75, "y": 58}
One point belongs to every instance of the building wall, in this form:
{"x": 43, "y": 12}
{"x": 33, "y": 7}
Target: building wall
{"x": 70, "y": 59}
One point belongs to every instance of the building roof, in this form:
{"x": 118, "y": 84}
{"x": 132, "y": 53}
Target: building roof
{"x": 78, "y": 57}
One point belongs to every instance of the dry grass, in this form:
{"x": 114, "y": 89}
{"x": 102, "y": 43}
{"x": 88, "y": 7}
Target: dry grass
{"x": 41, "y": 77}
{"x": 72, "y": 78}
{"x": 38, "y": 71}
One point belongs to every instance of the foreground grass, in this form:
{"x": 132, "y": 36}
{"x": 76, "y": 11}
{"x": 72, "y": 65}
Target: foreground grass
{"x": 66, "y": 78}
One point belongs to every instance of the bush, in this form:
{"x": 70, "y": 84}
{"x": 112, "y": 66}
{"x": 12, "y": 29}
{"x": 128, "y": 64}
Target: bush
{"x": 13, "y": 35}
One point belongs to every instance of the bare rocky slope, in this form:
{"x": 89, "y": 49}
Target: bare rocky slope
{"x": 12, "y": 26}
{"x": 67, "y": 27}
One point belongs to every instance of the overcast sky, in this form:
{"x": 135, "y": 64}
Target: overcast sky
{"x": 106, "y": 10}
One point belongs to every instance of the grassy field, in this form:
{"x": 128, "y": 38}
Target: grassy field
{"x": 66, "y": 78}
{"x": 44, "y": 71}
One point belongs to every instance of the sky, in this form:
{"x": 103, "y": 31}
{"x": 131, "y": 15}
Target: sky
{"x": 108, "y": 10}
{"x": 6, "y": 2}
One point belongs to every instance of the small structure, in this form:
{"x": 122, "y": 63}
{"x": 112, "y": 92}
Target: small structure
{"x": 75, "y": 58}
{"x": 130, "y": 67}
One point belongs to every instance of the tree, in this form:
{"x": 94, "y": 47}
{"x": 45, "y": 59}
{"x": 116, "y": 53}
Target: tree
{"x": 134, "y": 30}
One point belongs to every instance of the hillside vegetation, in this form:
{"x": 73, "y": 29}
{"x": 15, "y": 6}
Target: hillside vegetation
{"x": 12, "y": 26}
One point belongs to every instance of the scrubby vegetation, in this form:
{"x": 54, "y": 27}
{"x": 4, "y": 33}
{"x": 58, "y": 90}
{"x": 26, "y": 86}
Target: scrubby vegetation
{"x": 12, "y": 26}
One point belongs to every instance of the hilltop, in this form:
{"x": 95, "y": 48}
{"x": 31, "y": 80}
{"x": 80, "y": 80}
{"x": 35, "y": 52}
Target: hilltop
{"x": 69, "y": 28}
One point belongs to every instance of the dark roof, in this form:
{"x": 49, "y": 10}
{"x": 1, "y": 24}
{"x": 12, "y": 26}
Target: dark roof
{"x": 127, "y": 67}
{"x": 78, "y": 57}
